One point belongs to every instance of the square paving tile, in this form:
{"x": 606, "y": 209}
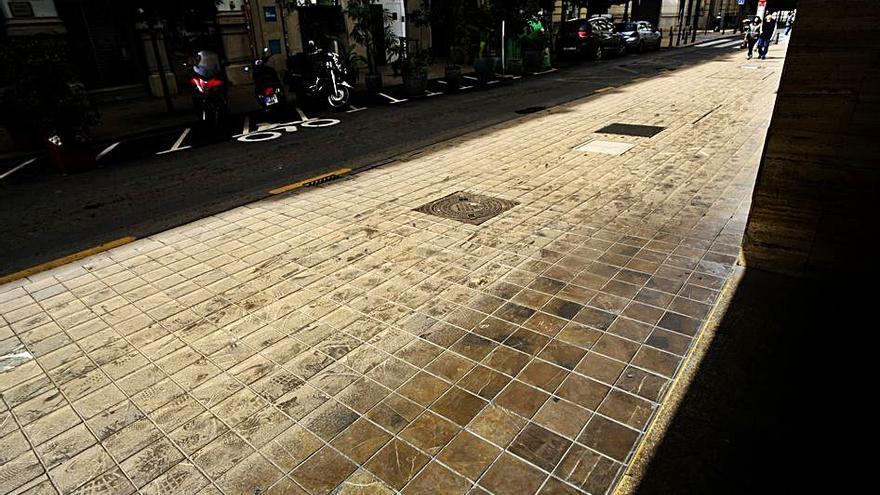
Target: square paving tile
{"x": 397, "y": 463}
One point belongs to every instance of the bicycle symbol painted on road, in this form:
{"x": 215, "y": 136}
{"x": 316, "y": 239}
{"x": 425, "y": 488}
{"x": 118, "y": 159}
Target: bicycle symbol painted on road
{"x": 263, "y": 132}
{"x": 268, "y": 132}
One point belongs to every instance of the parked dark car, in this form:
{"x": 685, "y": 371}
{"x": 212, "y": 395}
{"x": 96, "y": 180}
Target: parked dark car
{"x": 592, "y": 38}
{"x": 639, "y": 35}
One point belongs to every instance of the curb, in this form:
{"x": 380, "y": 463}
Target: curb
{"x": 666, "y": 412}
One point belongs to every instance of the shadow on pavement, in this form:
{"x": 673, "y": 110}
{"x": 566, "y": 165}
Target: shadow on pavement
{"x": 755, "y": 418}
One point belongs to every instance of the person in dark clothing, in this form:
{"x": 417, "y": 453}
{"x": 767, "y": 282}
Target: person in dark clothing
{"x": 752, "y": 30}
{"x": 767, "y": 29}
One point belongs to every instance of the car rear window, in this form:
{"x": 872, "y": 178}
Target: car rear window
{"x": 574, "y": 26}
{"x": 625, "y": 26}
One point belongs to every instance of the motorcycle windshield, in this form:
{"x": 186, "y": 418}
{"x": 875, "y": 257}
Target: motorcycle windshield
{"x": 208, "y": 65}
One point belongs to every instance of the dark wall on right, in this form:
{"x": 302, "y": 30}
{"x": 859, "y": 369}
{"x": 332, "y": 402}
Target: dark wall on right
{"x": 816, "y": 198}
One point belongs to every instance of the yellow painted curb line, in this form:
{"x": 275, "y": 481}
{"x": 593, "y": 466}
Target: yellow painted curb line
{"x": 27, "y": 272}
{"x": 602, "y": 90}
{"x": 635, "y": 469}
{"x": 305, "y": 182}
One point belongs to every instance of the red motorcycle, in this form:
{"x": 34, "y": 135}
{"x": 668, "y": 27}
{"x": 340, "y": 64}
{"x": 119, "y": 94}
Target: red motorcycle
{"x": 209, "y": 89}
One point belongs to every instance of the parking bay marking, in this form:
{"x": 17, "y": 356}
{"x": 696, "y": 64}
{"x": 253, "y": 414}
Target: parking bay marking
{"x": 392, "y": 99}
{"x": 177, "y": 144}
{"x": 106, "y": 150}
{"x": 17, "y": 168}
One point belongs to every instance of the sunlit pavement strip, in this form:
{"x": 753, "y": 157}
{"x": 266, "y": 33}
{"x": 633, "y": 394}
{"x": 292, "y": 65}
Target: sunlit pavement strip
{"x": 335, "y": 338}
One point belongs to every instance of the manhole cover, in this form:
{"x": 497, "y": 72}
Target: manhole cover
{"x": 631, "y": 130}
{"x": 526, "y": 110}
{"x": 467, "y": 207}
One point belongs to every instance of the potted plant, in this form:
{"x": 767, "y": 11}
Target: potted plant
{"x": 365, "y": 26}
{"x": 414, "y": 69}
{"x": 69, "y": 126}
{"x": 455, "y": 19}
{"x": 533, "y": 51}
{"x": 484, "y": 65}
{"x": 452, "y": 72}
{"x": 26, "y": 86}
{"x": 513, "y": 53}
{"x": 355, "y": 62}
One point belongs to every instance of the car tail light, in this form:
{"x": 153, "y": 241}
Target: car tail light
{"x": 583, "y": 34}
{"x": 269, "y": 91}
{"x": 213, "y": 83}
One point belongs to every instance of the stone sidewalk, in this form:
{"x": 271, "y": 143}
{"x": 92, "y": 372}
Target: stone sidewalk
{"x": 337, "y": 341}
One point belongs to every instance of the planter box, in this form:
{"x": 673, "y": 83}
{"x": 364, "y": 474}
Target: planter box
{"x": 515, "y": 66}
{"x": 485, "y": 69}
{"x": 453, "y": 78}
{"x": 373, "y": 82}
{"x": 416, "y": 83}
{"x": 533, "y": 60}
{"x": 72, "y": 159}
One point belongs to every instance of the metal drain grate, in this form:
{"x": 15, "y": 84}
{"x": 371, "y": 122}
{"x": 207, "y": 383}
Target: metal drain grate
{"x": 467, "y": 207}
{"x": 631, "y": 130}
{"x": 321, "y": 180}
{"x": 527, "y": 110}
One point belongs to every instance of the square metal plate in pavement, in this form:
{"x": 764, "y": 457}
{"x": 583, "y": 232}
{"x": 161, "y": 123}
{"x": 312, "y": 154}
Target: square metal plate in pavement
{"x": 604, "y": 147}
{"x": 467, "y": 207}
{"x": 631, "y": 129}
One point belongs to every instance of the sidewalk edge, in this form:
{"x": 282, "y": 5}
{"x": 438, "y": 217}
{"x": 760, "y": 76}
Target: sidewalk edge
{"x": 628, "y": 483}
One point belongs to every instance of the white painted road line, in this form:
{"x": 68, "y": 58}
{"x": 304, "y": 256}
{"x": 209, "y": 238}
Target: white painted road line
{"x": 17, "y": 168}
{"x": 177, "y": 144}
{"x": 353, "y": 109}
{"x": 108, "y": 149}
{"x": 302, "y": 116}
{"x": 392, "y": 99}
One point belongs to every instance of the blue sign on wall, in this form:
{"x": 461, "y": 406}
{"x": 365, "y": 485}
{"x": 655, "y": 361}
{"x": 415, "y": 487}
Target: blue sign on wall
{"x": 741, "y": 2}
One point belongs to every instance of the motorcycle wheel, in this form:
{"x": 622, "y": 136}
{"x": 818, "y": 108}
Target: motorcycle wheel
{"x": 339, "y": 100}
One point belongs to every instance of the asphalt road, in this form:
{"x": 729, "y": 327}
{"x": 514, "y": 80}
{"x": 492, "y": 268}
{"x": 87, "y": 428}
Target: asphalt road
{"x": 46, "y": 216}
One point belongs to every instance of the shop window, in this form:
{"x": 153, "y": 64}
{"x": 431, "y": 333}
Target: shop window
{"x": 275, "y": 46}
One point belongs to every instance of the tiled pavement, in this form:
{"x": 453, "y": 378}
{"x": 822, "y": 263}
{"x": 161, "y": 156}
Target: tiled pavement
{"x": 335, "y": 340}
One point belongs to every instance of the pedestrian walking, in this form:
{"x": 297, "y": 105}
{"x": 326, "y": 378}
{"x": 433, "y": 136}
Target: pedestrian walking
{"x": 788, "y": 22}
{"x": 752, "y": 30}
{"x": 767, "y": 29}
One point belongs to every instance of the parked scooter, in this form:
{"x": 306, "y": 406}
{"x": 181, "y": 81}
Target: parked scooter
{"x": 209, "y": 89}
{"x": 267, "y": 85}
{"x": 319, "y": 75}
